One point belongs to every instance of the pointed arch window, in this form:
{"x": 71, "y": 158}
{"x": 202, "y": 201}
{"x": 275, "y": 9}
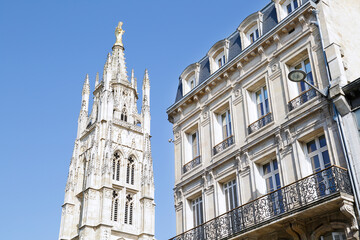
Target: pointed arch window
{"x": 123, "y": 116}
{"x": 115, "y": 207}
{"x": 116, "y": 167}
{"x": 129, "y": 207}
{"x": 130, "y": 171}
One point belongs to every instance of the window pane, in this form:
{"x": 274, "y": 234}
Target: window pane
{"x": 307, "y": 65}
{"x": 269, "y": 184}
{"x": 288, "y": 7}
{"x": 277, "y": 181}
{"x": 266, "y": 168}
{"x": 275, "y": 165}
{"x": 311, "y": 146}
{"x": 295, "y": 4}
{"x": 257, "y": 34}
{"x": 322, "y": 141}
{"x": 315, "y": 163}
{"x": 326, "y": 159}
{"x": 252, "y": 38}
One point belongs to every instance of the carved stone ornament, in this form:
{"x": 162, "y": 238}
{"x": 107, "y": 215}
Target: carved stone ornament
{"x": 238, "y": 92}
{"x": 274, "y": 67}
{"x": 348, "y": 210}
{"x": 205, "y": 115}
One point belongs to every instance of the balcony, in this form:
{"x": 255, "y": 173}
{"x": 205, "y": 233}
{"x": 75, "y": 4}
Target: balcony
{"x": 192, "y": 164}
{"x": 266, "y": 119}
{"x": 223, "y": 145}
{"x": 302, "y": 98}
{"x": 310, "y": 191}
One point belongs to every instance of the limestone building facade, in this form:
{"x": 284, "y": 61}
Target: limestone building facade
{"x": 256, "y": 155}
{"x": 109, "y": 193}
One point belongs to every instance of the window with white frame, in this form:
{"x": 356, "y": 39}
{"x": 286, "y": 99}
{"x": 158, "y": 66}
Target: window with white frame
{"x": 197, "y": 209}
{"x": 271, "y": 176}
{"x": 289, "y": 6}
{"x": 230, "y": 191}
{"x": 220, "y": 60}
{"x": 317, "y": 152}
{"x": 189, "y": 83}
{"x": 194, "y": 138}
{"x": 225, "y": 120}
{"x": 130, "y": 171}
{"x": 116, "y": 167}
{"x": 129, "y": 209}
{"x": 262, "y": 102}
{"x": 252, "y": 35}
{"x": 223, "y": 130}
{"x": 305, "y": 66}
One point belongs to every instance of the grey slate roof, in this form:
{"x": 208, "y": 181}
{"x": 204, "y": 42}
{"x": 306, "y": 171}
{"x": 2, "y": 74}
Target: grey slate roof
{"x": 269, "y": 22}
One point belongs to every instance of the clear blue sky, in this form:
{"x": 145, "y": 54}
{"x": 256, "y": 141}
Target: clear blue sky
{"x": 46, "y": 48}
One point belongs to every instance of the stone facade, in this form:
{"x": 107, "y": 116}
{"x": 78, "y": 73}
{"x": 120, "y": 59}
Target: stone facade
{"x": 256, "y": 155}
{"x": 109, "y": 193}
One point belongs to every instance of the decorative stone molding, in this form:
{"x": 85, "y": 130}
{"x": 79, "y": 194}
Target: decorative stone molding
{"x": 347, "y": 209}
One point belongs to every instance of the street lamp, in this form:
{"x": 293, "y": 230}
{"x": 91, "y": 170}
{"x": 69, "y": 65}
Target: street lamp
{"x": 299, "y": 76}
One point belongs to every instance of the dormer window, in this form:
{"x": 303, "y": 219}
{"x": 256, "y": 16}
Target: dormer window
{"x": 254, "y": 35}
{"x": 285, "y": 7}
{"x": 290, "y": 5}
{"x": 220, "y": 60}
{"x": 218, "y": 55}
{"x": 190, "y": 77}
{"x": 251, "y": 29}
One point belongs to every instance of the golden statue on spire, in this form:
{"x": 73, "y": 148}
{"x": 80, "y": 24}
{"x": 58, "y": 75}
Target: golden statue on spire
{"x": 118, "y": 34}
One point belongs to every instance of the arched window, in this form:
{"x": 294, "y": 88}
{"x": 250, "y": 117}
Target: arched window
{"x": 124, "y": 114}
{"x": 129, "y": 206}
{"x": 114, "y": 207}
{"x": 116, "y": 167}
{"x": 130, "y": 171}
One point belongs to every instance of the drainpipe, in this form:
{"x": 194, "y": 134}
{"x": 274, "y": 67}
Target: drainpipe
{"x": 337, "y": 118}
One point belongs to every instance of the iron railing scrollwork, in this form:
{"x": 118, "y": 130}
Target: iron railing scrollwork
{"x": 192, "y": 164}
{"x": 304, "y": 193}
{"x": 302, "y": 98}
{"x": 268, "y": 118}
{"x": 223, "y": 145}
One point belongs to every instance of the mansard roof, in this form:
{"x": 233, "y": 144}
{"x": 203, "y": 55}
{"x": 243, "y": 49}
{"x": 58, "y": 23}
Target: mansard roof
{"x": 235, "y": 46}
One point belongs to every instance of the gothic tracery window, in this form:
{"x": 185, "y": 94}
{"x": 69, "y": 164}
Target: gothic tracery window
{"x": 129, "y": 207}
{"x": 115, "y": 207}
{"x": 124, "y": 114}
{"x": 130, "y": 171}
{"x": 116, "y": 167}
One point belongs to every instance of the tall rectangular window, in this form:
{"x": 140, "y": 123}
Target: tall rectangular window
{"x": 317, "y": 152}
{"x": 197, "y": 209}
{"x": 226, "y": 124}
{"x": 262, "y": 102}
{"x": 306, "y": 67}
{"x": 230, "y": 195}
{"x": 271, "y": 175}
{"x": 195, "y": 144}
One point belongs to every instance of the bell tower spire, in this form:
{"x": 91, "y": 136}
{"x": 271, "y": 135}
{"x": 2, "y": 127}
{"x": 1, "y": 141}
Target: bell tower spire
{"x": 100, "y": 201}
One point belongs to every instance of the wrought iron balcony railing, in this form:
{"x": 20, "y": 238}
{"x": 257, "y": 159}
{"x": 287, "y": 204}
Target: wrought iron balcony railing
{"x": 223, "y": 145}
{"x": 193, "y": 163}
{"x": 302, "y": 194}
{"x": 302, "y": 98}
{"x": 260, "y": 123}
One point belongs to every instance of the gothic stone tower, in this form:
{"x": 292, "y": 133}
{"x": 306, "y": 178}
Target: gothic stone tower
{"x": 110, "y": 188}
